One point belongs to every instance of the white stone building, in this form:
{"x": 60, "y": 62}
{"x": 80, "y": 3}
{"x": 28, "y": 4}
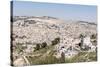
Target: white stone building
{"x": 87, "y": 44}
{"x": 68, "y": 46}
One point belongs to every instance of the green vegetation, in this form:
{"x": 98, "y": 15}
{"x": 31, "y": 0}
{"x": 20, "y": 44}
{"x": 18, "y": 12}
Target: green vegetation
{"x": 45, "y": 59}
{"x": 19, "y": 43}
{"x": 83, "y": 57}
{"x": 62, "y": 59}
{"x": 81, "y": 35}
{"x": 94, "y": 39}
{"x": 43, "y": 45}
{"x": 50, "y": 59}
{"x": 37, "y": 46}
{"x": 19, "y": 48}
{"x": 40, "y": 46}
{"x": 56, "y": 41}
{"x": 43, "y": 50}
{"x": 93, "y": 36}
{"x": 46, "y": 56}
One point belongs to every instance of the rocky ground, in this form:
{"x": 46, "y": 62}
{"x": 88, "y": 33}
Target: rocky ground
{"x": 60, "y": 41}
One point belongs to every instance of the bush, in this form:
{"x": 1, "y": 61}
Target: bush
{"x": 93, "y": 36}
{"x": 82, "y": 36}
{"x": 62, "y": 57}
{"x": 43, "y": 45}
{"x": 37, "y": 46}
{"x": 56, "y": 41}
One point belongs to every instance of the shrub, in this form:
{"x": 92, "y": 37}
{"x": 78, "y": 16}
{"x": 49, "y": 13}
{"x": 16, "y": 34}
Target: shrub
{"x": 37, "y": 46}
{"x": 56, "y": 41}
{"x": 43, "y": 45}
{"x": 81, "y": 35}
{"x": 93, "y": 36}
{"x": 62, "y": 57}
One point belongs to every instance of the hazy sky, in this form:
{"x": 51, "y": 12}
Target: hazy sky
{"x": 63, "y": 11}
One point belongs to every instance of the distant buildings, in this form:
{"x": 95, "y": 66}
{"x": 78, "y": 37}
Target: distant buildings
{"x": 71, "y": 46}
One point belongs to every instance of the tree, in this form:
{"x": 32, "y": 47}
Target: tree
{"x": 43, "y": 45}
{"x": 81, "y": 43}
{"x": 56, "y": 41}
{"x": 37, "y": 47}
{"x": 62, "y": 57}
{"x": 93, "y": 36}
{"x": 81, "y": 36}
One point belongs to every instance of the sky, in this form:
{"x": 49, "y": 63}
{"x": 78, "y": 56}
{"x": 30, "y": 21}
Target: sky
{"x": 62, "y": 11}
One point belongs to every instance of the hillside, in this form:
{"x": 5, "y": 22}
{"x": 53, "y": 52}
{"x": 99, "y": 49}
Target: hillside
{"x": 48, "y": 37}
